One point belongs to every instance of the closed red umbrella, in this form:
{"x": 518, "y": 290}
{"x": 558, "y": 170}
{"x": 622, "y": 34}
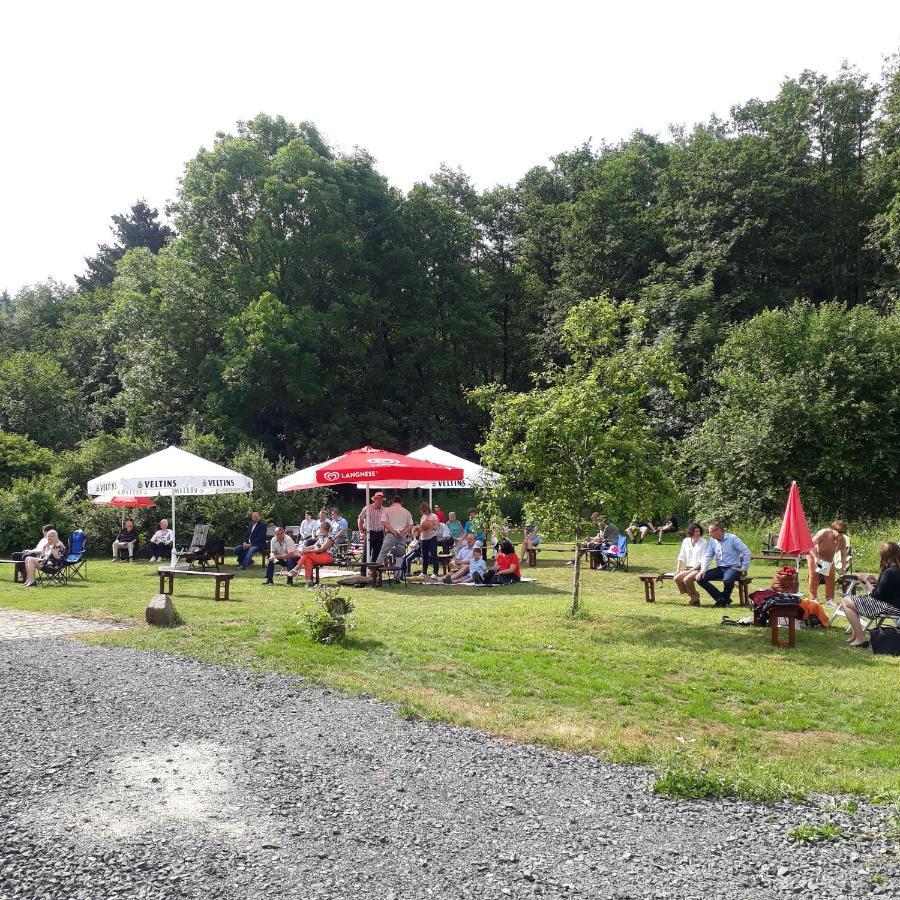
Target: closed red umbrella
{"x": 794, "y": 537}
{"x": 125, "y": 502}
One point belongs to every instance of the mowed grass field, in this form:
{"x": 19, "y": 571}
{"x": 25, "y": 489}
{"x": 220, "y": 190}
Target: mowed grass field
{"x": 715, "y": 710}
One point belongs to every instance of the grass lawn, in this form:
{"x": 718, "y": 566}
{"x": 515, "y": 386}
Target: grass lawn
{"x": 715, "y": 710}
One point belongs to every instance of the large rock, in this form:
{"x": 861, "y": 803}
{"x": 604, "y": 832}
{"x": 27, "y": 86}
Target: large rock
{"x": 161, "y": 612}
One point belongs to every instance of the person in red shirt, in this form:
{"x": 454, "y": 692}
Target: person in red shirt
{"x": 440, "y": 514}
{"x": 506, "y": 565}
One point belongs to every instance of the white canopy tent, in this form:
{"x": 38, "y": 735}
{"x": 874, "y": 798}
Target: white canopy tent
{"x": 169, "y": 473}
{"x": 474, "y": 475}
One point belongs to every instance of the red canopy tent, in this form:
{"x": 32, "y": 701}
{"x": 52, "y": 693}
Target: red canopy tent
{"x": 794, "y": 537}
{"x": 365, "y": 466}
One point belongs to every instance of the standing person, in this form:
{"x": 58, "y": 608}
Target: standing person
{"x": 52, "y": 559}
{"x": 690, "y": 558}
{"x": 253, "y": 542}
{"x": 397, "y": 524}
{"x": 883, "y": 598}
{"x": 308, "y": 527}
{"x": 371, "y": 528}
{"x": 38, "y": 549}
{"x": 161, "y": 542}
{"x": 428, "y": 529}
{"x": 440, "y": 514}
{"x": 125, "y": 540}
{"x": 733, "y": 561}
{"x": 317, "y": 555}
{"x": 282, "y": 549}
{"x": 826, "y": 543}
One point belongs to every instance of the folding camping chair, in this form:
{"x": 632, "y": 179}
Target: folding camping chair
{"x": 198, "y": 542}
{"x": 618, "y": 555}
{"x": 74, "y": 565}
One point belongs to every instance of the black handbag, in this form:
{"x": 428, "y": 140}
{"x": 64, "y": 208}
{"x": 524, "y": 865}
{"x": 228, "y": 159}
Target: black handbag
{"x": 885, "y": 639}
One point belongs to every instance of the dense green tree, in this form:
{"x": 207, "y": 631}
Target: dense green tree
{"x": 139, "y": 227}
{"x": 21, "y": 458}
{"x": 581, "y": 440}
{"x": 808, "y": 394}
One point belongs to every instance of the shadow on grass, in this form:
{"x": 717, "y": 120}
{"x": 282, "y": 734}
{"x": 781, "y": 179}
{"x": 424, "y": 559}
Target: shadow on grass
{"x": 814, "y": 646}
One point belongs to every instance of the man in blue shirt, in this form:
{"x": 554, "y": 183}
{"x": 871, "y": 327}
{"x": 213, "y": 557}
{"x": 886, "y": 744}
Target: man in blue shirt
{"x": 732, "y": 558}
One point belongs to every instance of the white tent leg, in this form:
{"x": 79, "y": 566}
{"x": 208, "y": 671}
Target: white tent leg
{"x": 430, "y": 499}
{"x": 174, "y": 560}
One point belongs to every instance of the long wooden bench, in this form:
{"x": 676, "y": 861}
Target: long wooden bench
{"x": 172, "y": 574}
{"x": 18, "y": 568}
{"x": 650, "y": 582}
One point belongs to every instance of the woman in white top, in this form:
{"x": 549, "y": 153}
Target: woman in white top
{"x": 161, "y": 542}
{"x": 687, "y": 568}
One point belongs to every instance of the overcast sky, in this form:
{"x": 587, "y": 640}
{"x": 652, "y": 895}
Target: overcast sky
{"x": 103, "y": 102}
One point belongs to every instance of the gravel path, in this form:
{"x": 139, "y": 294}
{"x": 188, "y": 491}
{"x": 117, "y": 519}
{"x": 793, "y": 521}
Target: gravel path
{"x": 129, "y": 774}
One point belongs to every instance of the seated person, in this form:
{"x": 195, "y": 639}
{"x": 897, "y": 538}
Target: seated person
{"x": 283, "y": 550}
{"x": 161, "y": 542}
{"x": 308, "y": 528}
{"x": 126, "y": 540}
{"x": 455, "y": 526}
{"x": 638, "y": 530}
{"x": 413, "y": 552}
{"x": 472, "y": 526}
{"x": 506, "y": 568}
{"x": 732, "y": 558}
{"x": 687, "y": 566}
{"x": 324, "y": 516}
{"x": 532, "y": 539}
{"x": 882, "y": 599}
{"x": 607, "y": 536}
{"x": 464, "y": 554}
{"x": 671, "y": 524}
{"x": 339, "y": 528}
{"x": 52, "y": 559}
{"x": 38, "y": 549}
{"x": 255, "y": 541}
{"x": 445, "y": 538}
{"x": 316, "y": 555}
{"x": 475, "y": 571}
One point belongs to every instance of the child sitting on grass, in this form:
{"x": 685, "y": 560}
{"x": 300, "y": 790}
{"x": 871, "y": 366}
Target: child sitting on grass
{"x": 475, "y": 571}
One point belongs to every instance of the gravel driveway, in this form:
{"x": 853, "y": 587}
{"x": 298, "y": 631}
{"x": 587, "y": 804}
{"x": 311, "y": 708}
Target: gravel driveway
{"x": 128, "y": 774}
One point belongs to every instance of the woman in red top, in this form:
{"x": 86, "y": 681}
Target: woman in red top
{"x": 506, "y": 565}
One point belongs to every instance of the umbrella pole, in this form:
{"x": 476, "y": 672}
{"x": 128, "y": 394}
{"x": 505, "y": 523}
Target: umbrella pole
{"x": 430, "y": 499}
{"x": 174, "y": 560}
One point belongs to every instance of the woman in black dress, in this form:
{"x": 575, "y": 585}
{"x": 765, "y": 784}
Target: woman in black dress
{"x": 883, "y": 598}
{"x": 52, "y": 559}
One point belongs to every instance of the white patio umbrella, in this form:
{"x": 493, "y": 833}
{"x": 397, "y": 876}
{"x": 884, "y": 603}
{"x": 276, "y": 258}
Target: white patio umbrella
{"x": 168, "y": 473}
{"x": 474, "y": 475}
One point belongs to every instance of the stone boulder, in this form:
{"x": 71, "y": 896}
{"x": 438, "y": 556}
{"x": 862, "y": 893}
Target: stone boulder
{"x": 161, "y": 612}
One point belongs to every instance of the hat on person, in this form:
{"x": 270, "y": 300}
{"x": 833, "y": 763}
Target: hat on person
{"x": 377, "y": 494}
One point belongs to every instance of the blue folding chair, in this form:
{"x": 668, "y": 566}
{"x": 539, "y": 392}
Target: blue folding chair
{"x": 76, "y": 561}
{"x": 618, "y": 555}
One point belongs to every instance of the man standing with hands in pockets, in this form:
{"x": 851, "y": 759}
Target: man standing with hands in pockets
{"x": 733, "y": 561}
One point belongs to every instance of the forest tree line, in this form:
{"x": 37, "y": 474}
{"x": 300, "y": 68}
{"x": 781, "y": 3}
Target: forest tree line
{"x": 702, "y": 316}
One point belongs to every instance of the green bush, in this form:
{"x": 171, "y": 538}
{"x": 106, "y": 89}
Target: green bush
{"x": 29, "y": 503}
{"x": 20, "y": 457}
{"x": 326, "y": 619}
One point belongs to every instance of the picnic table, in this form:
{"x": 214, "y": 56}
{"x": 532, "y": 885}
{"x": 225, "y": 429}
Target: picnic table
{"x": 650, "y": 582}
{"x": 18, "y": 569}
{"x": 171, "y": 574}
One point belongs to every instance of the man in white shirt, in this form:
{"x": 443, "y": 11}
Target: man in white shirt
{"x": 282, "y": 549}
{"x": 460, "y": 562}
{"x": 35, "y": 551}
{"x": 161, "y": 543}
{"x": 397, "y": 524}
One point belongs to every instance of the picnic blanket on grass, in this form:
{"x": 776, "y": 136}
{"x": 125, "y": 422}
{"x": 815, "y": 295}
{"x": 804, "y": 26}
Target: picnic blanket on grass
{"x": 470, "y": 584}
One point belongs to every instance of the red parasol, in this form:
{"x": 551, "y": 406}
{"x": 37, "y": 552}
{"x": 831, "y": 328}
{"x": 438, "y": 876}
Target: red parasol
{"x": 108, "y": 500}
{"x": 794, "y": 537}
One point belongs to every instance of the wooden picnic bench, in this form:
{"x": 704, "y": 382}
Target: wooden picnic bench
{"x": 650, "y": 582}
{"x": 18, "y": 569}
{"x": 769, "y": 557}
{"x": 171, "y": 574}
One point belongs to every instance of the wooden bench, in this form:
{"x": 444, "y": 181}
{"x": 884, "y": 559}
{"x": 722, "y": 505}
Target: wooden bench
{"x": 650, "y": 582}
{"x": 171, "y": 574}
{"x": 444, "y": 560}
{"x": 18, "y": 569}
{"x": 770, "y": 557}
